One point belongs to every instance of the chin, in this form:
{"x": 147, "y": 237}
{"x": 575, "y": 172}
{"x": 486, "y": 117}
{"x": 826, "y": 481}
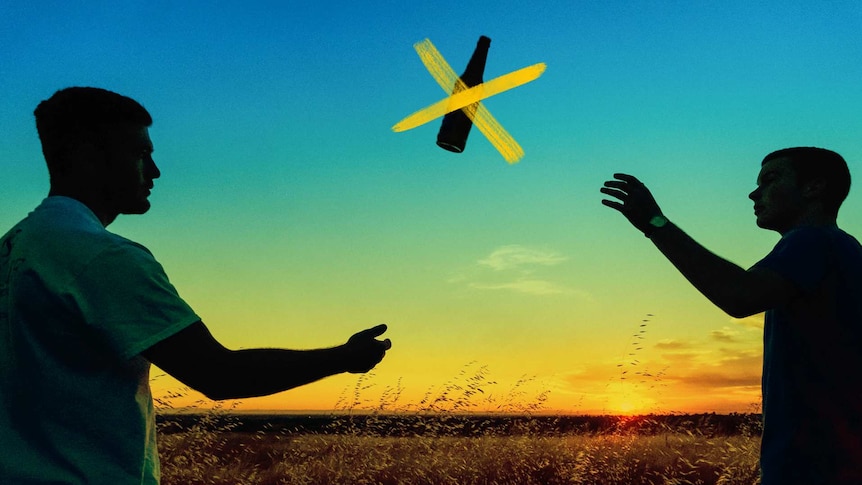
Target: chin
{"x": 771, "y": 226}
{"x": 764, "y": 224}
{"x": 139, "y": 208}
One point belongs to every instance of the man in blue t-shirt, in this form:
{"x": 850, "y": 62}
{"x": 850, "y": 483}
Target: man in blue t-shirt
{"x": 810, "y": 286}
{"x": 84, "y": 312}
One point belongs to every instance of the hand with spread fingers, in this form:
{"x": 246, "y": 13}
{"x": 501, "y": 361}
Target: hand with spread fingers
{"x": 634, "y": 201}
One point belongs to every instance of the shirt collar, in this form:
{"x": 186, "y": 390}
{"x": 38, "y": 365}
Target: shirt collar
{"x": 71, "y": 207}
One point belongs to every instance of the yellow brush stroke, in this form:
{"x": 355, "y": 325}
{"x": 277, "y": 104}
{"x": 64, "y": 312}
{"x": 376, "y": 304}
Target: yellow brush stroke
{"x": 476, "y": 111}
{"x": 482, "y": 118}
{"x": 470, "y": 96}
{"x": 497, "y": 135}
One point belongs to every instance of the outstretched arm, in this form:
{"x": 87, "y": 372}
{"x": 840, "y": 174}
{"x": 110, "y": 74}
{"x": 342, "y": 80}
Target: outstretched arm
{"x": 197, "y": 359}
{"x": 738, "y": 292}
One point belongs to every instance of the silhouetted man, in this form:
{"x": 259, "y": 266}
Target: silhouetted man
{"x": 84, "y": 312}
{"x": 810, "y": 287}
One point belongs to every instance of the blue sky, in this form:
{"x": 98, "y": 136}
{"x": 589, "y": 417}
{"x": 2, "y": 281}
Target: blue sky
{"x": 289, "y": 214}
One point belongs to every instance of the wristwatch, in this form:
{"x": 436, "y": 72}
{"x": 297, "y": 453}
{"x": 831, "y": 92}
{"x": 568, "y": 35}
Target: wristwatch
{"x": 656, "y": 223}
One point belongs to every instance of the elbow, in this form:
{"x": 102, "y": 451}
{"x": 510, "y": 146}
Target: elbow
{"x": 221, "y": 386}
{"x": 737, "y": 301}
{"x": 221, "y": 381}
{"x": 740, "y": 309}
{"x": 738, "y": 312}
{"x": 217, "y": 383}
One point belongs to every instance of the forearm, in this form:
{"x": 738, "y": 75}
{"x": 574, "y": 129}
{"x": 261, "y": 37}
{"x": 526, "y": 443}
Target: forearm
{"x": 260, "y": 372}
{"x": 199, "y": 361}
{"x": 719, "y": 280}
{"x": 738, "y": 292}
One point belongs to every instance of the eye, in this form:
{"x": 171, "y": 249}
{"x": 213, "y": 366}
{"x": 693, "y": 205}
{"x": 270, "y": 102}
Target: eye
{"x": 767, "y": 179}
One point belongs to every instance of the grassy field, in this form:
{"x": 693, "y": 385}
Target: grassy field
{"x": 448, "y": 449}
{"x": 455, "y": 435}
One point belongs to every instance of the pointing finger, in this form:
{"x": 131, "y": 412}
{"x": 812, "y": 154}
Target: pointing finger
{"x": 376, "y": 331}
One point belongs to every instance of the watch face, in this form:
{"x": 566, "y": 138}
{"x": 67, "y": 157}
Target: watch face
{"x": 658, "y": 221}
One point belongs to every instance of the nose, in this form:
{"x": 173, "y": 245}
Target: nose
{"x": 755, "y": 194}
{"x": 151, "y": 170}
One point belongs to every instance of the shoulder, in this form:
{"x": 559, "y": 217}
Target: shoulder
{"x": 796, "y": 248}
{"x": 827, "y": 239}
{"x": 63, "y": 237}
{"x": 813, "y": 240}
{"x": 846, "y": 239}
{"x": 89, "y": 246}
{"x": 807, "y": 234}
{"x": 63, "y": 223}
{"x": 806, "y": 254}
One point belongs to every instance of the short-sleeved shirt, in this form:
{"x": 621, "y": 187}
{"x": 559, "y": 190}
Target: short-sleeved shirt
{"x": 78, "y": 304}
{"x": 812, "y": 363}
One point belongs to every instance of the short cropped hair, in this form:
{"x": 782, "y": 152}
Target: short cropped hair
{"x": 812, "y": 163}
{"x": 82, "y": 114}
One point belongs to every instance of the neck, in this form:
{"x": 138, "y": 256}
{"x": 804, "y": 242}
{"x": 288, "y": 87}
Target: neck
{"x": 817, "y": 219}
{"x": 85, "y": 197}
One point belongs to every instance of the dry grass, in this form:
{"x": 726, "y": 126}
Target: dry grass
{"x": 275, "y": 458}
{"x": 365, "y": 444}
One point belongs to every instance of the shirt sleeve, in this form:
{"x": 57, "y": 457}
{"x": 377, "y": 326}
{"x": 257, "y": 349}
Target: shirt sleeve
{"x": 801, "y": 256}
{"x": 125, "y": 295}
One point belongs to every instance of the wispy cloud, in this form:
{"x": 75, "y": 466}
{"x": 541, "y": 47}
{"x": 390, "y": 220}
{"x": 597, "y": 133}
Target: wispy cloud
{"x": 701, "y": 366}
{"x": 532, "y": 287}
{"x": 518, "y": 257}
{"x": 518, "y": 269}
{"x": 669, "y": 344}
{"x": 715, "y": 380}
{"x": 724, "y": 335}
{"x": 730, "y": 369}
{"x": 724, "y": 363}
{"x": 718, "y": 370}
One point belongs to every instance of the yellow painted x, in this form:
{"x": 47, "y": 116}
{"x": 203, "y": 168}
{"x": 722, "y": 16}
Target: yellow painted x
{"x": 469, "y": 99}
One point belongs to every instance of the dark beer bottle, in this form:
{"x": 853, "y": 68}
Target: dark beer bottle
{"x": 456, "y": 124}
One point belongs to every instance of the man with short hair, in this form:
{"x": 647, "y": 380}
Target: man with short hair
{"x": 84, "y": 312}
{"x": 810, "y": 287}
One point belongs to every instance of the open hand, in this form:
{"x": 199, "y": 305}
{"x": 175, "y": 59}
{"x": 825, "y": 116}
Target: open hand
{"x": 634, "y": 200}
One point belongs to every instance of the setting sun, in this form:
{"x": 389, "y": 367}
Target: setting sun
{"x": 625, "y": 399}
{"x": 626, "y": 407}
{"x": 630, "y": 405}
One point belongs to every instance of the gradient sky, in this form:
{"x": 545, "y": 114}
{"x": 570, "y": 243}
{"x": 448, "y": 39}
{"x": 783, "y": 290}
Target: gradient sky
{"x": 289, "y": 214}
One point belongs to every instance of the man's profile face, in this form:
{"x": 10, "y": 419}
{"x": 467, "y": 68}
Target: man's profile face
{"x": 129, "y": 170}
{"x": 778, "y": 200}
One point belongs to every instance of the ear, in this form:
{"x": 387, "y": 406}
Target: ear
{"x": 86, "y": 157}
{"x": 814, "y": 189}
{"x": 81, "y": 165}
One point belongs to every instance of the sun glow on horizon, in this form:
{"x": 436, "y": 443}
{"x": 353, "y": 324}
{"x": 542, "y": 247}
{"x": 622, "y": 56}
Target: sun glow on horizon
{"x": 630, "y": 405}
